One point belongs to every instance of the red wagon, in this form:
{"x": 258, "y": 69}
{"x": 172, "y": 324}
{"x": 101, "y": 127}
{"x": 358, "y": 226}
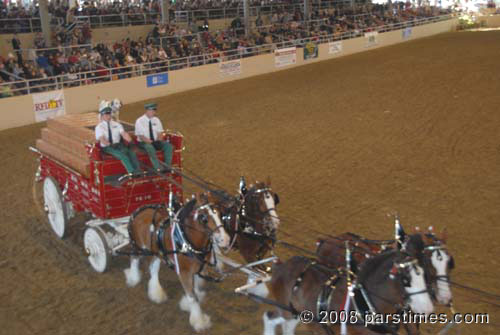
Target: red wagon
{"x": 100, "y": 190}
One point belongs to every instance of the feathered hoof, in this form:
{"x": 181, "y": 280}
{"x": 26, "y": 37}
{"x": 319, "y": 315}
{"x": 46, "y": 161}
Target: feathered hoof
{"x": 132, "y": 277}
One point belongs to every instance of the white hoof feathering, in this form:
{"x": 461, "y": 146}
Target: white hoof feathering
{"x": 185, "y": 303}
{"x": 198, "y": 320}
{"x": 289, "y": 326}
{"x": 270, "y": 324}
{"x": 155, "y": 291}
{"x": 261, "y": 290}
{"x": 133, "y": 274}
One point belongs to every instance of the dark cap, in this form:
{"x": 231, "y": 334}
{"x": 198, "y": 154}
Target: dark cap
{"x": 105, "y": 110}
{"x": 150, "y": 105}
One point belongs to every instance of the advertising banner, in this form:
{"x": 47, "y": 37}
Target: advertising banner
{"x": 371, "y": 38}
{"x": 310, "y": 51}
{"x": 335, "y": 47}
{"x": 157, "y": 79}
{"x": 285, "y": 57}
{"x": 406, "y": 33}
{"x": 48, "y": 105}
{"x": 230, "y": 68}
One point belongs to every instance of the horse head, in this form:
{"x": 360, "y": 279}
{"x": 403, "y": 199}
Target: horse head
{"x": 206, "y": 215}
{"x": 440, "y": 263}
{"x": 406, "y": 282}
{"x": 432, "y": 255}
{"x": 259, "y": 203}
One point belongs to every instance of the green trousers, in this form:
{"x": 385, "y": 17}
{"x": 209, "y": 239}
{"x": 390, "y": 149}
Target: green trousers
{"x": 151, "y": 150}
{"x": 126, "y": 155}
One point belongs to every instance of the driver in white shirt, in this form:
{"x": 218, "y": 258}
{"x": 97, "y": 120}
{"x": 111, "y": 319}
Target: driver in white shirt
{"x": 149, "y": 130}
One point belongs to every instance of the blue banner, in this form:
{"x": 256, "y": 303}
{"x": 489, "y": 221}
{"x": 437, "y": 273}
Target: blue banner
{"x": 157, "y": 79}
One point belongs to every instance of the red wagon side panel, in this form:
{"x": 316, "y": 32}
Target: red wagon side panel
{"x": 106, "y": 201}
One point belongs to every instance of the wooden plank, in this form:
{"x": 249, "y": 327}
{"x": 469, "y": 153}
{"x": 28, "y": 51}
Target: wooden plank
{"x": 65, "y": 143}
{"x": 64, "y": 157}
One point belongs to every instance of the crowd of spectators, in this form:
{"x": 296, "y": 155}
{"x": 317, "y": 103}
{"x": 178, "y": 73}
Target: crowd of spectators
{"x": 168, "y": 46}
{"x": 122, "y": 13}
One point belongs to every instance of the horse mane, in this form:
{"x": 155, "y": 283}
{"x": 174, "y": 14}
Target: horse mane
{"x": 222, "y": 196}
{"x": 373, "y": 264}
{"x": 186, "y": 210}
{"x": 415, "y": 244}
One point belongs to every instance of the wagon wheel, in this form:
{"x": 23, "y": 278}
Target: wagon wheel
{"x": 54, "y": 206}
{"x": 96, "y": 247}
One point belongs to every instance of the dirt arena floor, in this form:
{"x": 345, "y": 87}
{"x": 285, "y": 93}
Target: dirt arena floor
{"x": 412, "y": 128}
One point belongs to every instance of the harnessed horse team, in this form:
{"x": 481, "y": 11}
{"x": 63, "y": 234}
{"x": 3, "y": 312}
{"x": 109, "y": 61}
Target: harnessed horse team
{"x": 349, "y": 273}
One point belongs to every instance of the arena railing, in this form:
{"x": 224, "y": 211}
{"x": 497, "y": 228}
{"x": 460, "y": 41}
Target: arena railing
{"x": 25, "y": 25}
{"x": 30, "y": 53}
{"x": 167, "y": 65}
{"x": 185, "y": 16}
{"x": 124, "y": 19}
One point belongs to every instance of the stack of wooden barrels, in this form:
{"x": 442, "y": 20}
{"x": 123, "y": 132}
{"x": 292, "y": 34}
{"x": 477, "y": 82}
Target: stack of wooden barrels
{"x": 65, "y": 139}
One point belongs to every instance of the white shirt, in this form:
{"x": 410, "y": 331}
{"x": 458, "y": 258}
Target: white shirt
{"x": 142, "y": 127}
{"x": 102, "y": 129}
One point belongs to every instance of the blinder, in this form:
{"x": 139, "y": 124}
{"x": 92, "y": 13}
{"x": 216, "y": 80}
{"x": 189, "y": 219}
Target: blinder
{"x": 401, "y": 270}
{"x": 451, "y": 263}
{"x": 203, "y": 218}
{"x": 276, "y": 199}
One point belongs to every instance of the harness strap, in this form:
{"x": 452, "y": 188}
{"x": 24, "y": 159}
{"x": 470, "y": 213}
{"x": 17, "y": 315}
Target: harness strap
{"x": 325, "y": 296}
{"x": 300, "y": 277}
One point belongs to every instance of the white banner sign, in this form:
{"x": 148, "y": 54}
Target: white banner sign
{"x": 48, "y": 105}
{"x": 335, "y": 47}
{"x": 285, "y": 57}
{"x": 406, "y": 33}
{"x": 371, "y": 38}
{"x": 230, "y": 68}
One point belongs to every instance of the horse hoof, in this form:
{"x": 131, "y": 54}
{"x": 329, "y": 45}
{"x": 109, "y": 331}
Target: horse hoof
{"x": 202, "y": 323}
{"x": 185, "y": 304}
{"x": 158, "y": 297}
{"x": 133, "y": 277}
{"x": 156, "y": 294}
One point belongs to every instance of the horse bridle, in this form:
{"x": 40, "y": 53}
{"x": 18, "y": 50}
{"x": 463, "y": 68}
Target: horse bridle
{"x": 204, "y": 219}
{"x": 400, "y": 266}
{"x": 242, "y": 211}
{"x": 428, "y": 264}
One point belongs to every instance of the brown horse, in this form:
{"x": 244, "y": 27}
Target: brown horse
{"x": 430, "y": 250}
{"x": 185, "y": 241}
{"x": 387, "y": 283}
{"x": 252, "y": 221}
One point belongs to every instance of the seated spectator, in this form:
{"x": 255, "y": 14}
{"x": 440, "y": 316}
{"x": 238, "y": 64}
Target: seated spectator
{"x": 39, "y": 41}
{"x": 5, "y": 90}
{"x": 43, "y": 63}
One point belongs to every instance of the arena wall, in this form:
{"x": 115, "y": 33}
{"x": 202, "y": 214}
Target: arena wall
{"x": 491, "y": 21}
{"x": 18, "y": 111}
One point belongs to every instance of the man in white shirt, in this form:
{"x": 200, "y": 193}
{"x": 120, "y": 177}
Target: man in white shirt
{"x": 149, "y": 130}
{"x": 109, "y": 134}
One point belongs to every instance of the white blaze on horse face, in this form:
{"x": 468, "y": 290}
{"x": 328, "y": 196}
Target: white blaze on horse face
{"x": 419, "y": 302}
{"x": 269, "y": 201}
{"x": 221, "y": 237}
{"x": 439, "y": 260}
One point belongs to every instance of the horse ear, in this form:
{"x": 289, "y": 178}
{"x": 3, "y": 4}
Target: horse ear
{"x": 400, "y": 235}
{"x": 243, "y": 185}
{"x": 444, "y": 235}
{"x": 268, "y": 180}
